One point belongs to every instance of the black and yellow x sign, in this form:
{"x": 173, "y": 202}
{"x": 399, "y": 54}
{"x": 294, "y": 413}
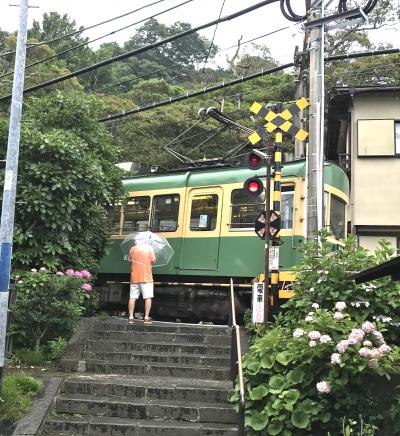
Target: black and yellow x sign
{"x": 279, "y": 121}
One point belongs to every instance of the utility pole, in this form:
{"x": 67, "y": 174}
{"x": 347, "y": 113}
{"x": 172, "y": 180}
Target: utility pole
{"x": 315, "y": 154}
{"x": 10, "y": 179}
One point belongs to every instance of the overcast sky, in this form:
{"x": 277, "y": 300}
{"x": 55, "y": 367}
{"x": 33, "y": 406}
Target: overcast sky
{"x": 251, "y": 25}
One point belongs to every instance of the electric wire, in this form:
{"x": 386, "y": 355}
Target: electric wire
{"x": 213, "y": 37}
{"x": 220, "y": 130}
{"x": 261, "y": 73}
{"x": 176, "y": 65}
{"x": 75, "y": 47}
{"x": 141, "y": 49}
{"x": 75, "y": 32}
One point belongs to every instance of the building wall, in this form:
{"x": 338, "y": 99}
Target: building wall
{"x": 375, "y": 172}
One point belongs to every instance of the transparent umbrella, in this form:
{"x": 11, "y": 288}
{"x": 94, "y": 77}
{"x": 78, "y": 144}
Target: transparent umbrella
{"x": 162, "y": 250}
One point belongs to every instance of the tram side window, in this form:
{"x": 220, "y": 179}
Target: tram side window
{"x": 165, "y": 213}
{"x": 245, "y": 209}
{"x": 203, "y": 216}
{"x": 337, "y": 217}
{"x": 136, "y": 214}
{"x": 287, "y": 196}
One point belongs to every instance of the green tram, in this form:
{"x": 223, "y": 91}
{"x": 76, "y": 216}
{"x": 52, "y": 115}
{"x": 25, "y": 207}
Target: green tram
{"x": 208, "y": 218}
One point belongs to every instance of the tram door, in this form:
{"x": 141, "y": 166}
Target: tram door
{"x": 202, "y": 228}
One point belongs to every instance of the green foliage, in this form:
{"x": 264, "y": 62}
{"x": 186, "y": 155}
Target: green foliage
{"x": 327, "y": 356}
{"x": 56, "y": 347}
{"x": 67, "y": 183}
{"x": 30, "y": 357}
{"x": 17, "y": 392}
{"x": 48, "y": 306}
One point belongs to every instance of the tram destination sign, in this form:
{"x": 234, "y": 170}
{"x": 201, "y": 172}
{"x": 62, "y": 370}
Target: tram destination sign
{"x": 274, "y": 224}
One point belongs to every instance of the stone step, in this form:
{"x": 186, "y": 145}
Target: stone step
{"x": 143, "y": 357}
{"x": 100, "y": 426}
{"x": 161, "y": 347}
{"x": 146, "y": 336}
{"x": 156, "y": 370}
{"x": 149, "y": 387}
{"x": 142, "y": 408}
{"x": 167, "y": 327}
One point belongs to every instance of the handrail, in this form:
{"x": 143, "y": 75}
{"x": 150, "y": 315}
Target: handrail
{"x": 236, "y": 362}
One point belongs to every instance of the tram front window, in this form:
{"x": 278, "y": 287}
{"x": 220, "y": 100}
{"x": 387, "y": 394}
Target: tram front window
{"x": 136, "y": 214}
{"x": 337, "y": 217}
{"x": 204, "y": 211}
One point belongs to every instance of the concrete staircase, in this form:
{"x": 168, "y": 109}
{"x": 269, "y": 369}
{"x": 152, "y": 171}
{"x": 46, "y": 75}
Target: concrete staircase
{"x": 163, "y": 379}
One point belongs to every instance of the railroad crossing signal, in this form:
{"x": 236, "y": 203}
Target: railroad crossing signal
{"x": 274, "y": 224}
{"x": 279, "y": 121}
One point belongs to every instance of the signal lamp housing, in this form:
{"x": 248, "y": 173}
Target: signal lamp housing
{"x": 253, "y": 186}
{"x": 254, "y": 161}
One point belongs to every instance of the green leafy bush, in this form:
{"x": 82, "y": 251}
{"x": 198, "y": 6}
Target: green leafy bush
{"x": 48, "y": 305}
{"x": 30, "y": 357}
{"x": 56, "y": 347}
{"x": 17, "y": 392}
{"x": 327, "y": 358}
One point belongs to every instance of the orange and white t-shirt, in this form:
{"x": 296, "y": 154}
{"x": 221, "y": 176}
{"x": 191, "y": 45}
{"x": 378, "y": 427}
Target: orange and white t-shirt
{"x": 141, "y": 257}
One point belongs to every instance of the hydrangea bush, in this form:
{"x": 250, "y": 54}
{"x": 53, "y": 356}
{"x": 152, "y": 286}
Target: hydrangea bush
{"x": 332, "y": 355}
{"x": 48, "y": 305}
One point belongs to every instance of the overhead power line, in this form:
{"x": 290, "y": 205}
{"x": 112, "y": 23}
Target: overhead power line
{"x": 237, "y": 81}
{"x": 161, "y": 70}
{"x": 75, "y": 47}
{"x": 141, "y": 49}
{"x": 195, "y": 93}
{"x": 76, "y": 32}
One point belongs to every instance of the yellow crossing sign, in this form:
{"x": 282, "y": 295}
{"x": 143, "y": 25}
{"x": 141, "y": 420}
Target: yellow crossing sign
{"x": 279, "y": 121}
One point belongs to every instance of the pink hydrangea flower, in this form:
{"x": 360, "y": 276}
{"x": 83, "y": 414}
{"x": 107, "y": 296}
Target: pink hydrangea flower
{"x": 86, "y": 274}
{"x": 342, "y": 346}
{"x": 384, "y": 349}
{"x": 59, "y": 273}
{"x": 365, "y": 352}
{"x": 335, "y": 359}
{"x": 70, "y": 272}
{"x": 298, "y": 333}
{"x": 352, "y": 341}
{"x": 340, "y": 306}
{"x": 323, "y": 387}
{"x": 368, "y": 327}
{"x": 314, "y": 335}
{"x": 87, "y": 287}
{"x": 357, "y": 334}
{"x": 378, "y": 336}
{"x": 325, "y": 339}
{"x": 312, "y": 344}
{"x": 338, "y": 316}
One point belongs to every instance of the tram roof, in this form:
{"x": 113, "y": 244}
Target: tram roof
{"x": 207, "y": 177}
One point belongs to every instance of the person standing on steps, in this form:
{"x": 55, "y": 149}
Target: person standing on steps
{"x": 142, "y": 258}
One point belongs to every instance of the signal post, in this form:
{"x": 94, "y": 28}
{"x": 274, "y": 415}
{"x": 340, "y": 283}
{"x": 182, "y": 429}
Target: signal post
{"x": 268, "y": 224}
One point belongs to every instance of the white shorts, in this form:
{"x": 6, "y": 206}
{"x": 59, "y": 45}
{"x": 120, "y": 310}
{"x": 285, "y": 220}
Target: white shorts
{"x": 146, "y": 289}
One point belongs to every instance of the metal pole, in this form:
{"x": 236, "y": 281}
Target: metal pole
{"x": 10, "y": 180}
{"x": 314, "y": 217}
{"x": 277, "y": 208}
{"x": 267, "y": 237}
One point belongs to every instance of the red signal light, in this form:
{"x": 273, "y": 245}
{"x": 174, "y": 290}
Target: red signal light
{"x": 254, "y": 162}
{"x": 253, "y": 186}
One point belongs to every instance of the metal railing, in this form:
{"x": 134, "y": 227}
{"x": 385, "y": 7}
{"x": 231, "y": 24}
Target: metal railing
{"x": 236, "y": 361}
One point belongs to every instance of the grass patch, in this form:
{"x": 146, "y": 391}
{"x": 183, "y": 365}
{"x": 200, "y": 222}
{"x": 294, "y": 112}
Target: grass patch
{"x": 17, "y": 393}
